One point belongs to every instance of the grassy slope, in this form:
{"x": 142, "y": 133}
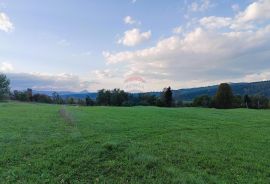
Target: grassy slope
{"x": 136, "y": 145}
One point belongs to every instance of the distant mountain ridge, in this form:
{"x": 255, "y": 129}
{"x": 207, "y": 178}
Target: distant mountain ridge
{"x": 69, "y": 94}
{"x": 253, "y": 88}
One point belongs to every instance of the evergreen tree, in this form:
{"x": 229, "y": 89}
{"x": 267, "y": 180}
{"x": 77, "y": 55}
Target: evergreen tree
{"x": 167, "y": 98}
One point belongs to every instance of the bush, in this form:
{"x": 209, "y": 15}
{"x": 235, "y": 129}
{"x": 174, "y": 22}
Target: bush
{"x": 259, "y": 102}
{"x": 40, "y": 98}
{"x": 202, "y": 101}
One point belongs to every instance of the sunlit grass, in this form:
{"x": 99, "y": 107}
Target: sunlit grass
{"x": 133, "y": 145}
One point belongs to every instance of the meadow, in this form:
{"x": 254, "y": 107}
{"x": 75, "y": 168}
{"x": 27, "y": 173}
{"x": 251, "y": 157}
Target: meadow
{"x": 42, "y": 143}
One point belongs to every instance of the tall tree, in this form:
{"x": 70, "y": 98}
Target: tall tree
{"x": 118, "y": 97}
{"x": 167, "y": 98}
{"x": 104, "y": 97}
{"x": 224, "y": 96}
{"x": 4, "y": 87}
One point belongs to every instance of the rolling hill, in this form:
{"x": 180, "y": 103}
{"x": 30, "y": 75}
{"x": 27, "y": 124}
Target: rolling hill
{"x": 253, "y": 88}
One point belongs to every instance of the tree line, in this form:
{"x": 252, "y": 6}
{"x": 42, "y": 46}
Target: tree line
{"x": 224, "y": 98}
{"x": 115, "y": 97}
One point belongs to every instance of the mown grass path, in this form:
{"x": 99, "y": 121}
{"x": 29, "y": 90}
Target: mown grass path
{"x": 133, "y": 145}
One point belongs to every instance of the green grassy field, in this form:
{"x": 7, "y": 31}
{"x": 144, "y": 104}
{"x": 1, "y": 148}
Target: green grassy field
{"x": 38, "y": 144}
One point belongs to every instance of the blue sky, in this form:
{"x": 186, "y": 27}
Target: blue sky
{"x": 82, "y": 44}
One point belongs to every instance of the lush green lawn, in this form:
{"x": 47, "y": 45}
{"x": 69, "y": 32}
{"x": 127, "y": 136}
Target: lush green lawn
{"x": 133, "y": 145}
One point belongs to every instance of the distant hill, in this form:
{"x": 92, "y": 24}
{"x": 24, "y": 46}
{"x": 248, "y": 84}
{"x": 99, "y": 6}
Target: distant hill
{"x": 80, "y": 95}
{"x": 254, "y": 88}
{"x": 69, "y": 94}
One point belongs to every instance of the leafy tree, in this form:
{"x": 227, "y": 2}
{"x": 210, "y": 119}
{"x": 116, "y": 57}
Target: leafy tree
{"x": 224, "y": 96}
{"x": 259, "y": 102}
{"x": 104, "y": 97}
{"x": 237, "y": 101}
{"x": 4, "y": 87}
{"x": 133, "y": 99}
{"x": 16, "y": 95}
{"x": 57, "y": 98}
{"x": 70, "y": 101}
{"x": 24, "y": 96}
{"x": 41, "y": 98}
{"x": 118, "y": 97}
{"x": 21, "y": 96}
{"x": 89, "y": 101}
{"x": 114, "y": 97}
{"x": 202, "y": 101}
{"x": 147, "y": 99}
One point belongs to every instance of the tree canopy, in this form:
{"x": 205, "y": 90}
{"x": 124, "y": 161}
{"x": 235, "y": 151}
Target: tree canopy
{"x": 224, "y": 96}
{"x": 4, "y": 87}
{"x": 167, "y": 98}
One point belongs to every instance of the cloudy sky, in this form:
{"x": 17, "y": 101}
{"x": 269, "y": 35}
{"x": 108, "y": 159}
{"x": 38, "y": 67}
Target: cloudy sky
{"x": 88, "y": 45}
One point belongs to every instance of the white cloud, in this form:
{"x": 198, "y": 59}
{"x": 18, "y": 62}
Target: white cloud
{"x": 215, "y": 22}
{"x": 131, "y": 21}
{"x": 238, "y": 52}
{"x": 41, "y": 81}
{"x": 177, "y": 30}
{"x": 202, "y": 53}
{"x": 133, "y": 1}
{"x": 6, "y": 67}
{"x": 258, "y": 10}
{"x": 247, "y": 19}
{"x": 263, "y": 76}
{"x": 107, "y": 73}
{"x": 5, "y": 24}
{"x": 134, "y": 37}
{"x": 200, "y": 6}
